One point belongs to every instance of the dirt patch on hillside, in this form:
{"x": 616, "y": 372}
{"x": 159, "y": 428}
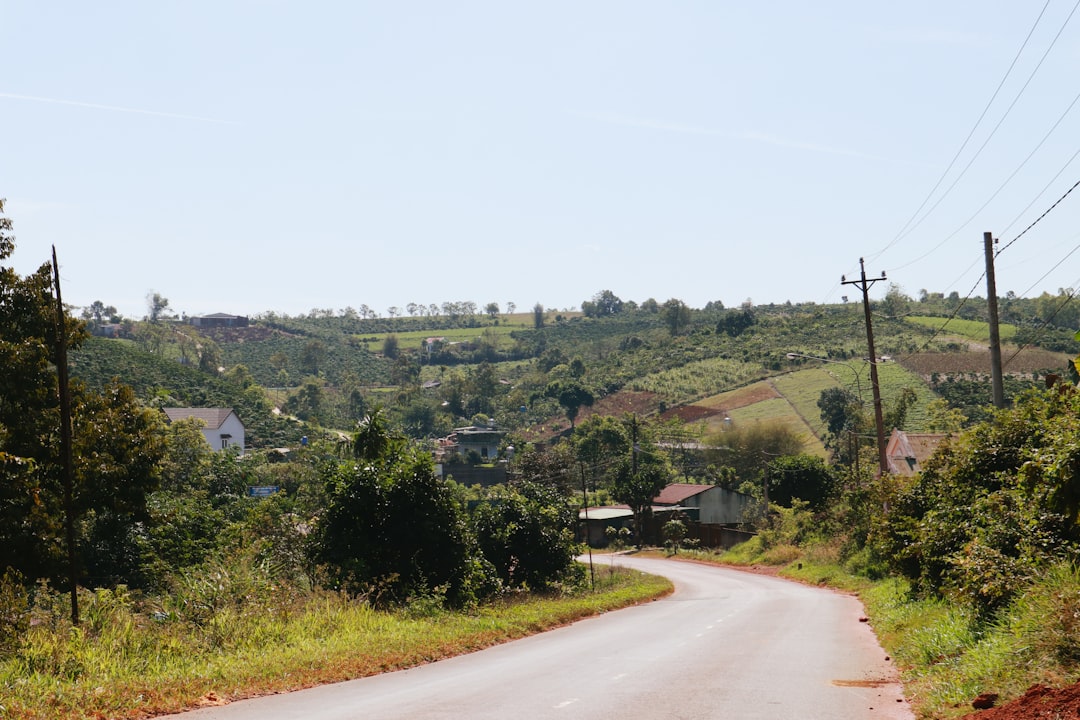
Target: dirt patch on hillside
{"x": 743, "y": 397}
{"x": 624, "y": 401}
{"x": 1038, "y": 703}
{"x": 690, "y": 413}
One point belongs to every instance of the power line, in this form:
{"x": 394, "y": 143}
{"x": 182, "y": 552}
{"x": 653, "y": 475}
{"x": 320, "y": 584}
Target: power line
{"x": 908, "y": 227}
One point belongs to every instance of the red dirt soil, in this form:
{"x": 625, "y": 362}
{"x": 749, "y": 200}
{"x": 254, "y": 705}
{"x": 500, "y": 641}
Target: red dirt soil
{"x": 1038, "y": 703}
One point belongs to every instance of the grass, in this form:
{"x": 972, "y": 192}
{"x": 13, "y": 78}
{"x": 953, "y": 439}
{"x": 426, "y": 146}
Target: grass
{"x": 126, "y": 662}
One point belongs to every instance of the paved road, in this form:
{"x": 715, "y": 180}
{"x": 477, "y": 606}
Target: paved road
{"x": 726, "y": 644}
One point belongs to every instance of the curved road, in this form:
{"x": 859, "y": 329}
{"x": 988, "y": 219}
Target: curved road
{"x": 726, "y": 644}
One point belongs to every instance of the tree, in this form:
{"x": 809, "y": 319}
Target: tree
{"x": 735, "y": 322}
{"x": 538, "y": 316}
{"x": 118, "y": 450}
{"x": 492, "y": 309}
{"x": 571, "y": 396}
{"x": 598, "y": 441}
{"x": 803, "y": 477}
{"x": 993, "y": 507}
{"x": 843, "y": 415}
{"x": 313, "y": 356}
{"x": 157, "y": 306}
{"x": 391, "y": 348}
{"x": 525, "y": 533}
{"x": 676, "y": 316}
{"x": 393, "y": 530}
{"x": 604, "y": 304}
{"x": 30, "y": 486}
{"x": 637, "y": 480}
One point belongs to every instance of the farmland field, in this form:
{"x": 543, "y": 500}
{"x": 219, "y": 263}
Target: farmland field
{"x": 975, "y": 330}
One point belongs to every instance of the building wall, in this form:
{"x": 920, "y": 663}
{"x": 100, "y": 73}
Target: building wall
{"x": 718, "y": 506}
{"x": 232, "y": 426}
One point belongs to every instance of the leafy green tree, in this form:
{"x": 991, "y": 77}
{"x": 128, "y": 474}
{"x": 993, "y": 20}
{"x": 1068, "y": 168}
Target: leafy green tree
{"x": 842, "y": 413}
{"x": 526, "y": 533}
{"x": 571, "y": 395}
{"x": 637, "y": 481}
{"x": 391, "y": 348}
{"x": 993, "y": 507}
{"x": 555, "y": 467}
{"x": 31, "y": 514}
{"x": 603, "y": 304}
{"x": 676, "y": 316}
{"x": 735, "y": 322}
{"x": 804, "y": 477}
{"x": 492, "y": 309}
{"x": 314, "y": 354}
{"x": 598, "y": 441}
{"x": 157, "y": 307}
{"x": 941, "y": 418}
{"x": 118, "y": 449}
{"x": 896, "y": 414}
{"x": 393, "y": 530}
{"x": 538, "y": 316}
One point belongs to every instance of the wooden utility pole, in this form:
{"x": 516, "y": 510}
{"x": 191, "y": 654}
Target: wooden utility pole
{"x": 864, "y": 284}
{"x": 66, "y": 462}
{"x": 996, "y": 374}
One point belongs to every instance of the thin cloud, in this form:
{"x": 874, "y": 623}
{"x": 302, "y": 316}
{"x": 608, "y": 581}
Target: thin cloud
{"x": 115, "y": 108}
{"x": 752, "y": 136}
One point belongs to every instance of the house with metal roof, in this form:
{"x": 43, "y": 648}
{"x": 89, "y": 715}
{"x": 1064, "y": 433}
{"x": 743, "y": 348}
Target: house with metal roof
{"x": 906, "y": 452}
{"x": 708, "y": 504}
{"x": 221, "y": 426}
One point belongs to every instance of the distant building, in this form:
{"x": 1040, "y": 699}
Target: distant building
{"x": 221, "y": 427}
{"x": 484, "y": 441}
{"x": 708, "y": 504}
{"x": 218, "y": 320}
{"x": 906, "y": 452}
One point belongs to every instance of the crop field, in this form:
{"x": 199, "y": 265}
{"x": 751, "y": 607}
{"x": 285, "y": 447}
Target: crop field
{"x": 1015, "y": 361}
{"x": 416, "y": 339}
{"x": 697, "y": 380}
{"x": 778, "y": 411}
{"x": 975, "y": 330}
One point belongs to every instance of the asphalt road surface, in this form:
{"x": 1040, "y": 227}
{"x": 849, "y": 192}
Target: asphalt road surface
{"x": 727, "y": 644}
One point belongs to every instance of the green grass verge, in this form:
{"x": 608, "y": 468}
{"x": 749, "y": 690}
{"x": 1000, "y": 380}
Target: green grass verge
{"x": 120, "y": 663}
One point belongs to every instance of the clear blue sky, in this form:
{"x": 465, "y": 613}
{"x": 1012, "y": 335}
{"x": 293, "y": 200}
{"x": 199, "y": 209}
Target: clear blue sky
{"x": 244, "y": 156}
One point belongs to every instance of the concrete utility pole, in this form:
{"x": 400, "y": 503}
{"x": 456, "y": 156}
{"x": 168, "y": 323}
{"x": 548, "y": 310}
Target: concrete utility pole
{"x": 864, "y": 284}
{"x": 996, "y": 373}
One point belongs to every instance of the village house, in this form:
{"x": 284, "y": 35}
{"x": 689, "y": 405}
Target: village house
{"x": 221, "y": 426}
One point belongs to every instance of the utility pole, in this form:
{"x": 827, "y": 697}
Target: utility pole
{"x": 864, "y": 284}
{"x": 995, "y": 335}
{"x": 66, "y": 461}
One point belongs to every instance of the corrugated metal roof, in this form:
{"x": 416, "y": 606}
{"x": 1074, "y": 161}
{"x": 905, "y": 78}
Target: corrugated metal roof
{"x": 676, "y": 493}
{"x": 213, "y": 417}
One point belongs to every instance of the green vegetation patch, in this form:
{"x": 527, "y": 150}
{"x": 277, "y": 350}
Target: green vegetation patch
{"x": 975, "y": 330}
{"x": 125, "y": 662}
{"x": 696, "y": 380}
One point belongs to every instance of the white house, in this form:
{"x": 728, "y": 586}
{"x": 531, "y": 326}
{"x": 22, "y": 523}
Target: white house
{"x": 221, "y": 427}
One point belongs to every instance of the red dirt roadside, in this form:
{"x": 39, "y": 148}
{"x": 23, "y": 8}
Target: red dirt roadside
{"x": 1038, "y": 703}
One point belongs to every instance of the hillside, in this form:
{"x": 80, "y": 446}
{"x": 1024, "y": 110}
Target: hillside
{"x": 433, "y": 373}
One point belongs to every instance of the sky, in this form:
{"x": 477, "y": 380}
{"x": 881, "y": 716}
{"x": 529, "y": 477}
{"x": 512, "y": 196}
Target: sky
{"x": 251, "y": 156}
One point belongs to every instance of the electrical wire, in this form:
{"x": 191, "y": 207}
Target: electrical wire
{"x": 907, "y": 228}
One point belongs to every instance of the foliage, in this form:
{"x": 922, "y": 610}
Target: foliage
{"x": 994, "y": 506}
{"x": 802, "y": 477}
{"x": 391, "y": 528}
{"x": 525, "y": 532}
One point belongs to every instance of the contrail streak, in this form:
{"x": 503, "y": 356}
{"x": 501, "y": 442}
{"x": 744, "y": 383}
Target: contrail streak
{"x": 115, "y": 108}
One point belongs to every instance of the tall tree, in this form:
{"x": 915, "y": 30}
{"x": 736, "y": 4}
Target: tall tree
{"x": 676, "y": 316}
{"x": 538, "y": 316}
